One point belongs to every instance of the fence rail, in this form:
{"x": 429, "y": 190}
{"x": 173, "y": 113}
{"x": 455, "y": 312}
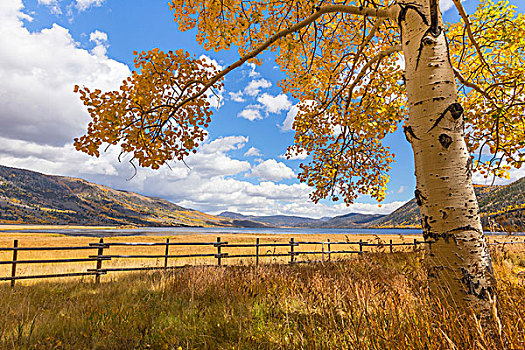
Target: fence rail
{"x": 102, "y": 254}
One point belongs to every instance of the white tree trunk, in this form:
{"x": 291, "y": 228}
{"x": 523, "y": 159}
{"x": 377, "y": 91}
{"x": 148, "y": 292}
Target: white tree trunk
{"x": 460, "y": 269}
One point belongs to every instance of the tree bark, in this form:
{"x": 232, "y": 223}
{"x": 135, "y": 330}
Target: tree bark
{"x": 460, "y": 268}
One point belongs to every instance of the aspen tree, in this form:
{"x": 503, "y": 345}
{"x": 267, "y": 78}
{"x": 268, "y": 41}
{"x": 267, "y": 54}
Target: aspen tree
{"x": 460, "y": 92}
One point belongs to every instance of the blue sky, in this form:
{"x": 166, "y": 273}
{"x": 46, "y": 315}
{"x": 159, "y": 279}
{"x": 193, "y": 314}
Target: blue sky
{"x": 50, "y": 45}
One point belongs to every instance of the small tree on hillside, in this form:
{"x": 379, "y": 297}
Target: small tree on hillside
{"x": 343, "y": 63}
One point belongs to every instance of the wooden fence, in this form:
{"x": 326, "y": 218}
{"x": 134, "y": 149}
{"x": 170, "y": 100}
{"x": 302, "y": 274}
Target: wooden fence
{"x": 293, "y": 255}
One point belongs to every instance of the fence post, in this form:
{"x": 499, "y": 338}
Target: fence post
{"x": 391, "y": 247}
{"x": 100, "y": 252}
{"x": 291, "y": 250}
{"x": 360, "y": 246}
{"x": 257, "y": 251}
{"x": 329, "y": 250}
{"x": 322, "y": 252}
{"x": 415, "y": 244}
{"x": 219, "y": 251}
{"x": 167, "y": 251}
{"x": 13, "y": 266}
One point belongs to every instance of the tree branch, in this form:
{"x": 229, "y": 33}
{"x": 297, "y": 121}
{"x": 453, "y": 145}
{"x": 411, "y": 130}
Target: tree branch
{"x": 389, "y": 12}
{"x": 468, "y": 27}
{"x": 473, "y": 86}
{"x": 362, "y": 72}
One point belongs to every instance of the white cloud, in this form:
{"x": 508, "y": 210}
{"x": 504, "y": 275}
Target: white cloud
{"x": 274, "y": 104}
{"x": 52, "y": 4}
{"x": 272, "y": 170}
{"x": 83, "y": 5}
{"x": 237, "y": 96}
{"x": 290, "y": 118}
{"x": 254, "y": 87}
{"x": 514, "y": 174}
{"x": 100, "y": 39}
{"x": 253, "y": 152}
{"x": 57, "y": 160}
{"x": 446, "y": 5}
{"x": 250, "y": 114}
{"x": 253, "y": 73}
{"x": 401, "y": 189}
{"x": 38, "y": 72}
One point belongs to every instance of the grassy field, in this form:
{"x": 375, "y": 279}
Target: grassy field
{"x": 378, "y": 301}
{"x": 53, "y": 240}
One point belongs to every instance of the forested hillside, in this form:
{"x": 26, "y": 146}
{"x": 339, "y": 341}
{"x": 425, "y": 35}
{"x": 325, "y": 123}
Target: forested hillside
{"x": 32, "y": 198}
{"x": 502, "y": 208}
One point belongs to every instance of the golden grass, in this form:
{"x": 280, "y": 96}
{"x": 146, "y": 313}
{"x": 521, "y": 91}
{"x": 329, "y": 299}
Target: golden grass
{"x": 377, "y": 302}
{"x": 47, "y": 240}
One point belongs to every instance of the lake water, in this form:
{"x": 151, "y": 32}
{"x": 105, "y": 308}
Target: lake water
{"x": 170, "y": 231}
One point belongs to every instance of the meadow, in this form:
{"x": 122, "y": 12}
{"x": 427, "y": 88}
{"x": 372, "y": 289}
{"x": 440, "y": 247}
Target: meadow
{"x": 375, "y": 301}
{"x": 26, "y": 239}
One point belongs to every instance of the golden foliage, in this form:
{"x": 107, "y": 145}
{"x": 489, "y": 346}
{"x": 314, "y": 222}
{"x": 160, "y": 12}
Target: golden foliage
{"x": 495, "y": 112}
{"x": 341, "y": 63}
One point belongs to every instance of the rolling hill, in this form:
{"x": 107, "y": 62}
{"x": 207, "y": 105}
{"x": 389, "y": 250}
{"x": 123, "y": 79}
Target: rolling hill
{"x": 351, "y": 220}
{"x": 29, "y": 197}
{"x": 501, "y": 207}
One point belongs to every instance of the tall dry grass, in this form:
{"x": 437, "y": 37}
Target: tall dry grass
{"x": 378, "y": 301}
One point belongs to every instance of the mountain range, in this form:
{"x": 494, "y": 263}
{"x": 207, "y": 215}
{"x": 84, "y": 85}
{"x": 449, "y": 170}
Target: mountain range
{"x": 501, "y": 208}
{"x": 352, "y": 220}
{"x": 28, "y": 197}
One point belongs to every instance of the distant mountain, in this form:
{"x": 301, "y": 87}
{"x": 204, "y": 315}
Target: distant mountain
{"x": 501, "y": 207}
{"x": 274, "y": 220}
{"x": 352, "y": 220}
{"x": 29, "y": 197}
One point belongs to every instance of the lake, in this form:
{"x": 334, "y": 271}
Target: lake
{"x": 170, "y": 231}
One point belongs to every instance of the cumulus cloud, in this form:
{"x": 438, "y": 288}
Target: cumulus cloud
{"x": 253, "y": 152}
{"x": 250, "y": 113}
{"x": 100, "y": 39}
{"x": 52, "y": 4}
{"x": 272, "y": 170}
{"x": 38, "y": 72}
{"x": 83, "y": 5}
{"x": 254, "y": 87}
{"x": 274, "y": 104}
{"x": 401, "y": 189}
{"x": 253, "y": 73}
{"x": 237, "y": 96}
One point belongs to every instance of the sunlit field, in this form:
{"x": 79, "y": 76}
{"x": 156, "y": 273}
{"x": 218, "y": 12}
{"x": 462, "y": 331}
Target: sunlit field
{"x": 46, "y": 240}
{"x": 375, "y": 301}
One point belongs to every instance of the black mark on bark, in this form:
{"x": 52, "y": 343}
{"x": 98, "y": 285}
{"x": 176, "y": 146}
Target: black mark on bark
{"x": 403, "y": 14}
{"x": 420, "y": 199}
{"x": 427, "y": 229}
{"x": 448, "y": 52}
{"x": 456, "y": 111}
{"x": 465, "y": 228}
{"x": 409, "y": 133}
{"x": 473, "y": 286}
{"x": 468, "y": 168}
{"x": 445, "y": 140}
